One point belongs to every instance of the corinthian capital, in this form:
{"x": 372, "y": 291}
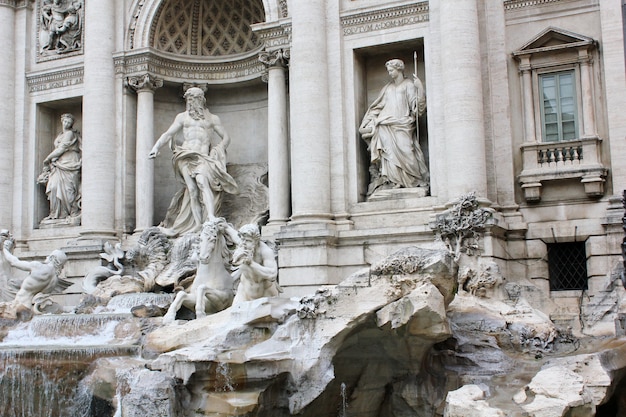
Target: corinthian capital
{"x": 144, "y": 82}
{"x": 277, "y": 58}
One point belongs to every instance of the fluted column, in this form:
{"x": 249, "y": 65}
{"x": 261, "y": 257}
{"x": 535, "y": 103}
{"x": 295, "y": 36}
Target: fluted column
{"x": 463, "y": 92}
{"x": 310, "y": 131}
{"x": 145, "y": 87}
{"x": 278, "y": 138}
{"x": 99, "y": 134}
{"x": 7, "y": 115}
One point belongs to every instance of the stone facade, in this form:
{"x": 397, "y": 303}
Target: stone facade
{"x": 291, "y": 82}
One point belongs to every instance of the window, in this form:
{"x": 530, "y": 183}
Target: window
{"x": 558, "y": 107}
{"x": 567, "y": 266}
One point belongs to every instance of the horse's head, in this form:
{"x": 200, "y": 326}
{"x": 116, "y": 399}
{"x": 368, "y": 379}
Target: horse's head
{"x": 211, "y": 238}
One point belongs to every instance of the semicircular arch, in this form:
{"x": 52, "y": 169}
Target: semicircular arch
{"x": 144, "y": 12}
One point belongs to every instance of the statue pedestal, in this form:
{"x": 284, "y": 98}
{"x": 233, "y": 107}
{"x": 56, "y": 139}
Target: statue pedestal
{"x": 65, "y": 222}
{"x": 398, "y": 193}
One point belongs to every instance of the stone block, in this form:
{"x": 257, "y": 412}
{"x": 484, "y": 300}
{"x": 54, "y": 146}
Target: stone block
{"x": 536, "y": 248}
{"x": 596, "y": 245}
{"x": 599, "y": 265}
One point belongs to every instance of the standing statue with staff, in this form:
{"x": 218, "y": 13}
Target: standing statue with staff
{"x": 390, "y": 130}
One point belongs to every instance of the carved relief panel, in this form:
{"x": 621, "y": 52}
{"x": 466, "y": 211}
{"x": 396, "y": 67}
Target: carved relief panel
{"x": 59, "y": 28}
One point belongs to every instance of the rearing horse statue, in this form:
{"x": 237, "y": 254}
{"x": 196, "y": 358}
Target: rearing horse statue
{"x": 212, "y": 288}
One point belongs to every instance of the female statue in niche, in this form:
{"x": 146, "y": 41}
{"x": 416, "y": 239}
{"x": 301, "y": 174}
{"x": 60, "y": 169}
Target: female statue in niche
{"x": 390, "y": 129}
{"x": 61, "y": 175}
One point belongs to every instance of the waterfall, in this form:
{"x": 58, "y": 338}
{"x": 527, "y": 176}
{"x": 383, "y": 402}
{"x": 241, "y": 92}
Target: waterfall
{"x": 44, "y": 382}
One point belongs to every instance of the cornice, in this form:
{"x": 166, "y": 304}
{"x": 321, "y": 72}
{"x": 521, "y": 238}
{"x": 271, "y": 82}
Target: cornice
{"x": 54, "y": 79}
{"x": 275, "y": 35}
{"x": 520, "y": 4}
{"x": 137, "y": 63}
{"x": 374, "y": 20}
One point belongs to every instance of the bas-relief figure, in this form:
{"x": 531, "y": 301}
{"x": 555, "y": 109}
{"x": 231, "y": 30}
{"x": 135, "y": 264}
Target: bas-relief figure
{"x": 198, "y": 163}
{"x": 61, "y": 29}
{"x": 61, "y": 175}
{"x": 389, "y": 128}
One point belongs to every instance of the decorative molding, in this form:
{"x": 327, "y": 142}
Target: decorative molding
{"x": 393, "y": 17}
{"x": 16, "y": 4}
{"x": 284, "y": 10}
{"x": 55, "y": 79}
{"x": 133, "y": 23}
{"x": 520, "y": 4}
{"x": 274, "y": 36}
{"x": 169, "y": 68}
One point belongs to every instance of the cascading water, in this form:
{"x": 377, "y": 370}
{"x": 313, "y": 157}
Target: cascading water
{"x": 43, "y": 362}
{"x": 344, "y": 401}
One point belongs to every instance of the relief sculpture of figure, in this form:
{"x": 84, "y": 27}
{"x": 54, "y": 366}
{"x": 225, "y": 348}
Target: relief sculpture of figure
{"x": 60, "y": 30}
{"x": 390, "y": 129}
{"x": 257, "y": 270}
{"x": 198, "y": 163}
{"x": 61, "y": 175}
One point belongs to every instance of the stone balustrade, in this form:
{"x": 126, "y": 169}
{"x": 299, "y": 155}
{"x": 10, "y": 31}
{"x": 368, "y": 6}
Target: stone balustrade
{"x": 562, "y": 160}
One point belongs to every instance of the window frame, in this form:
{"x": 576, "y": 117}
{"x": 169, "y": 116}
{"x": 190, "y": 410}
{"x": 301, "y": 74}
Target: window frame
{"x": 559, "y": 98}
{"x": 557, "y": 283}
{"x": 537, "y": 75}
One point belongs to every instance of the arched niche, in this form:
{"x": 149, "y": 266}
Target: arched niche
{"x": 143, "y": 13}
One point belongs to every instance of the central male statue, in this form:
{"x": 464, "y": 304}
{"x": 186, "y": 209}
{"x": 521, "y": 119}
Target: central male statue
{"x": 198, "y": 163}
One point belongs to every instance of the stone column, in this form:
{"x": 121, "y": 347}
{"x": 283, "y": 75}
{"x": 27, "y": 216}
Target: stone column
{"x": 463, "y": 98}
{"x": 529, "y": 112}
{"x": 7, "y": 115}
{"x": 278, "y": 138}
{"x": 310, "y": 125}
{"x": 100, "y": 144}
{"x": 589, "y": 120}
{"x": 145, "y": 87}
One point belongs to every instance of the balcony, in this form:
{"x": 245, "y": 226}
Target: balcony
{"x": 562, "y": 160}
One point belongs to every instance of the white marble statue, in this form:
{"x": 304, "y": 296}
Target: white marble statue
{"x": 212, "y": 288}
{"x": 43, "y": 277}
{"x": 61, "y": 29}
{"x": 198, "y": 163}
{"x": 389, "y": 127}
{"x": 61, "y": 175}
{"x": 5, "y": 268}
{"x": 257, "y": 270}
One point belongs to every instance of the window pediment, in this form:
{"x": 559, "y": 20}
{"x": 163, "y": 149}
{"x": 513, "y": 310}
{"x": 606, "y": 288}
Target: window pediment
{"x": 553, "y": 40}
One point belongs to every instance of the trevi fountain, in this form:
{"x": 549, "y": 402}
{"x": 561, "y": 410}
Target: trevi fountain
{"x": 333, "y": 208}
